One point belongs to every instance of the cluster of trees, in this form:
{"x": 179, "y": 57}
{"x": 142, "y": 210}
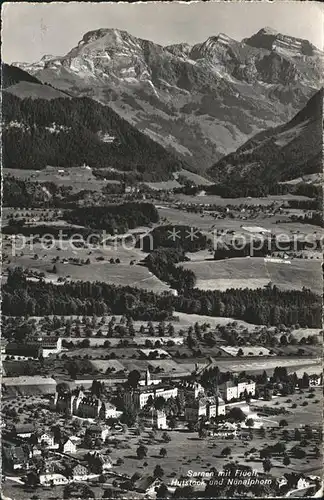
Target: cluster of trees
{"x": 184, "y": 238}
{"x": 251, "y": 187}
{"x": 114, "y": 218}
{"x": 77, "y": 139}
{"x": 162, "y": 262}
{"x": 313, "y": 204}
{"x": 261, "y": 306}
{"x": 23, "y": 193}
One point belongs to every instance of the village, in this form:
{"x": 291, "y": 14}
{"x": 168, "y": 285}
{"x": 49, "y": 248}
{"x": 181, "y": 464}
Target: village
{"x": 108, "y": 431}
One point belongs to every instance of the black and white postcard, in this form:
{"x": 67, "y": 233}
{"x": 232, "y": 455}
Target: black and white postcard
{"x": 162, "y": 250}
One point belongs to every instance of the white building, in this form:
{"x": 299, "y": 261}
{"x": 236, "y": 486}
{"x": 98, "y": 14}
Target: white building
{"x": 46, "y": 438}
{"x": 55, "y": 479}
{"x": 159, "y": 419}
{"x": 230, "y": 391}
{"x": 151, "y": 389}
{"x": 50, "y": 345}
{"x": 215, "y": 407}
{"x": 315, "y": 380}
{"x": 67, "y": 446}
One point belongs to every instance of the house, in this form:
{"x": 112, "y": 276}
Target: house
{"x": 109, "y": 410}
{"x": 84, "y": 405}
{"x": 315, "y": 380}
{"x": 46, "y": 439}
{"x": 215, "y": 407}
{"x": 296, "y": 481}
{"x": 26, "y": 384}
{"x": 24, "y": 430}
{"x": 67, "y": 446}
{"x": 226, "y": 429}
{"x": 159, "y": 419}
{"x": 50, "y": 345}
{"x": 98, "y": 463}
{"x": 52, "y": 479}
{"x": 146, "y": 484}
{"x": 88, "y": 407}
{"x": 302, "y": 483}
{"x": 23, "y": 350}
{"x": 94, "y": 432}
{"x": 80, "y": 472}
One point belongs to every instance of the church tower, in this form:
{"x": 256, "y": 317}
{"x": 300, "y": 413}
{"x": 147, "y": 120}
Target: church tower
{"x": 147, "y": 377}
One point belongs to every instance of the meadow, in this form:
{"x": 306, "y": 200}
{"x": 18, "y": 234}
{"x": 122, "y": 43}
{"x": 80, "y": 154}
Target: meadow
{"x": 254, "y": 273}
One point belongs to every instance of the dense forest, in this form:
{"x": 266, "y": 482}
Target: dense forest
{"x": 258, "y": 188}
{"x": 162, "y": 262}
{"x": 268, "y": 306}
{"x": 114, "y": 218}
{"x": 268, "y": 158}
{"x": 68, "y": 132}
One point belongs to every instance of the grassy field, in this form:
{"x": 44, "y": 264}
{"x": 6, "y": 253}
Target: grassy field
{"x": 217, "y": 200}
{"x": 301, "y": 414}
{"x": 99, "y": 269}
{"x": 277, "y": 224}
{"x": 311, "y": 365}
{"x": 79, "y": 178}
{"x": 254, "y": 272}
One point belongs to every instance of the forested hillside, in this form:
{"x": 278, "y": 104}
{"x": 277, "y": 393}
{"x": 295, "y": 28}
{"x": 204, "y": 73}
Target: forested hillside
{"x": 261, "y": 306}
{"x": 114, "y": 218}
{"x": 68, "y": 132}
{"x": 277, "y": 154}
{"x": 12, "y": 75}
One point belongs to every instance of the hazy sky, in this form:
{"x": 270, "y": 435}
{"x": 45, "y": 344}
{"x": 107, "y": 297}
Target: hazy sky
{"x": 31, "y": 30}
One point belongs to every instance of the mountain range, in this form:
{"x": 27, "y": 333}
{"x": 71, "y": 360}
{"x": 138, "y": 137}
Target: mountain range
{"x": 201, "y": 101}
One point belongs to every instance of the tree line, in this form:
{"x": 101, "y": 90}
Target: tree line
{"x": 263, "y": 247}
{"x": 269, "y": 306}
{"x": 114, "y": 218}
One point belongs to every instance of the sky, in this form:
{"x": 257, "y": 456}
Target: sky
{"x": 31, "y": 30}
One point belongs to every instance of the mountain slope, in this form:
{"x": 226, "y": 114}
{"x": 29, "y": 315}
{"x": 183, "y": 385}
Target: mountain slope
{"x": 278, "y": 154}
{"x": 68, "y": 132}
{"x": 200, "y": 101}
{"x": 21, "y": 84}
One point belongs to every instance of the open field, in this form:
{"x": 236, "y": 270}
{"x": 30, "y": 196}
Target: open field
{"x": 217, "y": 200}
{"x": 302, "y": 414}
{"x": 180, "y": 321}
{"x": 254, "y": 272}
{"x": 35, "y": 256}
{"x": 311, "y": 365}
{"x": 79, "y": 178}
{"x": 191, "y": 176}
{"x": 247, "y": 351}
{"x": 206, "y": 222}
{"x": 117, "y": 274}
